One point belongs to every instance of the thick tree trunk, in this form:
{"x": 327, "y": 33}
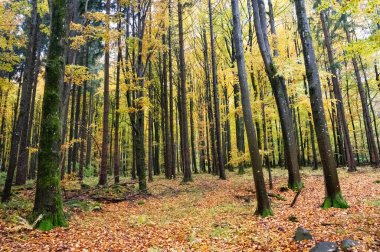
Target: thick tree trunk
{"x": 48, "y": 199}
{"x": 334, "y": 197}
{"x": 263, "y": 203}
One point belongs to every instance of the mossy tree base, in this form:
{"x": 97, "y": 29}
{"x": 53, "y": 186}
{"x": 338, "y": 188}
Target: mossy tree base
{"x": 337, "y": 202}
{"x": 265, "y": 213}
{"x": 49, "y": 222}
{"x": 295, "y": 186}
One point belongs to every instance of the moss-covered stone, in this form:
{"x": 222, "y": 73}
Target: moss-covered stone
{"x": 337, "y": 202}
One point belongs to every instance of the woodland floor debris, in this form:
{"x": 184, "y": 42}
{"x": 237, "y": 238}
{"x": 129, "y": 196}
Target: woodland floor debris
{"x": 207, "y": 215}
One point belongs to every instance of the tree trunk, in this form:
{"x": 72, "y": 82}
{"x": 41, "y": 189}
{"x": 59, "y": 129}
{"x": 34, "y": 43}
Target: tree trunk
{"x": 212, "y": 165}
{"x": 281, "y": 96}
{"x": 192, "y": 130}
{"x": 334, "y": 197}
{"x": 184, "y": 124}
{"x": 219, "y": 156}
{"x": 83, "y": 128}
{"x": 263, "y": 203}
{"x": 372, "y": 149}
{"x": 171, "y": 114}
{"x": 48, "y": 199}
{"x": 338, "y": 96}
{"x": 22, "y": 128}
{"x": 116, "y": 149}
{"x": 106, "y": 102}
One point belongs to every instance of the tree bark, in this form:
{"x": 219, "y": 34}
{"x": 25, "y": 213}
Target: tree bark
{"x": 338, "y": 96}
{"x": 106, "y": 102}
{"x": 219, "y": 156}
{"x": 48, "y": 200}
{"x": 334, "y": 196}
{"x": 281, "y": 96}
{"x": 263, "y": 203}
{"x": 184, "y": 124}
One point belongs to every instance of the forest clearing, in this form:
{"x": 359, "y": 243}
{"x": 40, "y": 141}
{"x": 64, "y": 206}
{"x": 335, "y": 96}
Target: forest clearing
{"x": 190, "y": 125}
{"x": 207, "y": 215}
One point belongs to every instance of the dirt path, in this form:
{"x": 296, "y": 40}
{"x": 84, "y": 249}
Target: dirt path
{"x": 214, "y": 215}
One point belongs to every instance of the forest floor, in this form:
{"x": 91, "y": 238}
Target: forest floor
{"x": 206, "y": 215}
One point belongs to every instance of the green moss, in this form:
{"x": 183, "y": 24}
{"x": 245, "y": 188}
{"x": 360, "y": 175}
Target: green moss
{"x": 337, "y": 202}
{"x": 296, "y": 186}
{"x": 49, "y": 222}
{"x": 266, "y": 212}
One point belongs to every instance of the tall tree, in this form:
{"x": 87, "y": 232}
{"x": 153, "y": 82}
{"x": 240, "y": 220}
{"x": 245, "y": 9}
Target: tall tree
{"x": 48, "y": 200}
{"x": 334, "y": 196}
{"x": 116, "y": 149}
{"x": 19, "y": 133}
{"x": 106, "y": 102}
{"x": 263, "y": 203}
{"x": 184, "y": 123}
{"x": 338, "y": 95}
{"x": 281, "y": 95}
{"x": 219, "y": 157}
{"x": 372, "y": 149}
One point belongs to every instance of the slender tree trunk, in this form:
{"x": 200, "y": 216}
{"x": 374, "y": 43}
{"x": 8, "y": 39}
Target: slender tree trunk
{"x": 334, "y": 197}
{"x": 263, "y": 203}
{"x": 352, "y": 120}
{"x": 72, "y": 16}
{"x": 21, "y": 158}
{"x": 311, "y": 129}
{"x": 106, "y": 102}
{"x": 281, "y": 96}
{"x": 338, "y": 96}
{"x": 116, "y": 149}
{"x": 3, "y": 136}
{"x": 76, "y": 128}
{"x": 89, "y": 128}
{"x": 212, "y": 165}
{"x": 372, "y": 149}
{"x": 239, "y": 126}
{"x": 192, "y": 130}
{"x": 265, "y": 137}
{"x": 171, "y": 99}
{"x": 219, "y": 156}
{"x": 184, "y": 124}
{"x": 228, "y": 131}
{"x": 83, "y": 128}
